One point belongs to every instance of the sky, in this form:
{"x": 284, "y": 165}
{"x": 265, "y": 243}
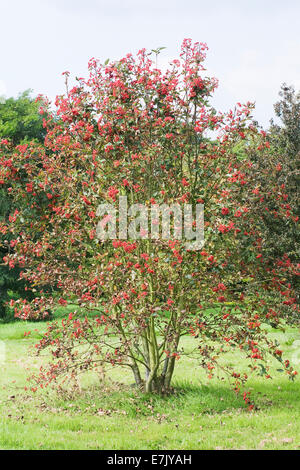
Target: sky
{"x": 254, "y": 45}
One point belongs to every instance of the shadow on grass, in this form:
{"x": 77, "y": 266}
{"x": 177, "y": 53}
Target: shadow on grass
{"x": 187, "y": 399}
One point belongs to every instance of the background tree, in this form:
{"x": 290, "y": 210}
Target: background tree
{"x": 278, "y": 166}
{"x": 130, "y": 129}
{"x": 288, "y": 111}
{"x": 20, "y": 122}
{"x": 285, "y": 138}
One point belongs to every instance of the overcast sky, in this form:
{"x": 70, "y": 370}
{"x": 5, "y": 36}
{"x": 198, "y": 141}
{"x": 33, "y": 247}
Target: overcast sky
{"x": 254, "y": 45}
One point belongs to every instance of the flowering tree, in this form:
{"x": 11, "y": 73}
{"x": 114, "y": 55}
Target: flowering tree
{"x": 132, "y": 130}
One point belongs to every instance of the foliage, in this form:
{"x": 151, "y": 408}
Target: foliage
{"x": 278, "y": 167}
{"x": 10, "y": 285}
{"x": 20, "y": 121}
{"x": 285, "y": 138}
{"x": 130, "y": 129}
{"x": 287, "y": 110}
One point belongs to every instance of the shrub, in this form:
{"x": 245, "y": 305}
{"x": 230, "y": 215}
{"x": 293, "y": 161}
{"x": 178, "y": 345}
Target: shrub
{"x": 132, "y": 130}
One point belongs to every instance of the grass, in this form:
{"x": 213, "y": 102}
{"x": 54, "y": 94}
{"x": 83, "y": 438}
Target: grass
{"x": 201, "y": 414}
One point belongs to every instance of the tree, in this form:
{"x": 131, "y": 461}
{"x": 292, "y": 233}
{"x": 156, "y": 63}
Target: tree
{"x": 20, "y": 121}
{"x": 278, "y": 166}
{"x": 132, "y": 130}
{"x": 288, "y": 111}
{"x": 285, "y": 138}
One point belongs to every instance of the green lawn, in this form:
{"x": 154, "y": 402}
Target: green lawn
{"x": 202, "y": 414}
